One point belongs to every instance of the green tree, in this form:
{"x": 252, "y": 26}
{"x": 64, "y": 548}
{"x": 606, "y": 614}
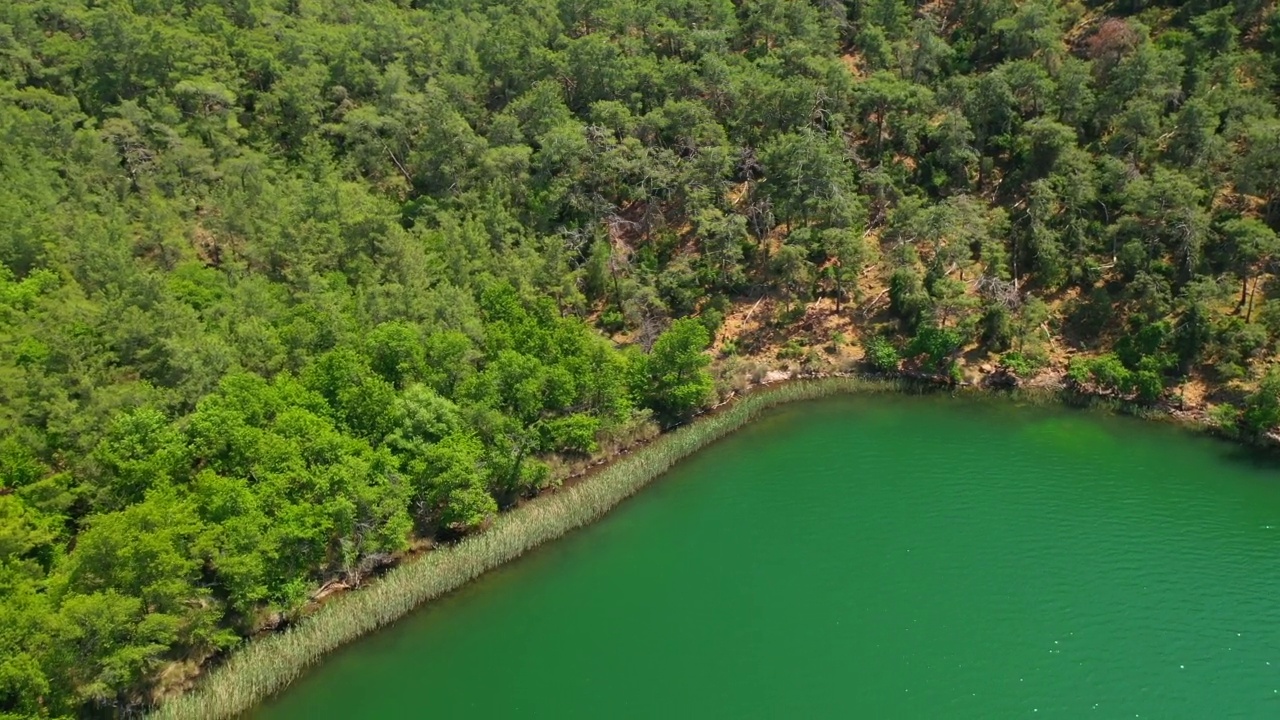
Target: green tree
{"x": 360, "y": 399}
{"x": 1252, "y": 245}
{"x": 882, "y": 355}
{"x": 395, "y": 353}
{"x": 451, "y": 484}
{"x": 673, "y": 379}
{"x": 1261, "y": 411}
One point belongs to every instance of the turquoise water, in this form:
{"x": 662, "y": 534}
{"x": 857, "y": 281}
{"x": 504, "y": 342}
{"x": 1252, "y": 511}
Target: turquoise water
{"x": 879, "y": 557}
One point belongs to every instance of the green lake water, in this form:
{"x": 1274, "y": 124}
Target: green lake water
{"x": 871, "y": 557}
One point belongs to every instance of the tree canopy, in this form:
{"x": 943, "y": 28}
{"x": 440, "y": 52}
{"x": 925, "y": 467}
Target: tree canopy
{"x": 288, "y": 284}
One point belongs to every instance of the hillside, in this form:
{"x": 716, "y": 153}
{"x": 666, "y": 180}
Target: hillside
{"x": 290, "y": 288}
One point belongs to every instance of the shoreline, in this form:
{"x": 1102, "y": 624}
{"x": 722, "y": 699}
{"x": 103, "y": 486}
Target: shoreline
{"x": 263, "y": 667}
{"x": 266, "y": 665}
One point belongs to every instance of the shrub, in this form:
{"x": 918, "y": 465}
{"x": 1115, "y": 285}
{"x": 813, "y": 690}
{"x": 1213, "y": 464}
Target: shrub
{"x": 936, "y": 344}
{"x": 1108, "y": 372}
{"x": 882, "y": 355}
{"x": 907, "y": 297}
{"x": 575, "y": 433}
{"x": 791, "y": 351}
{"x": 997, "y": 328}
{"x": 1147, "y": 385}
{"x": 1019, "y": 364}
{"x": 1224, "y": 417}
{"x": 1078, "y": 370}
{"x": 1261, "y": 410}
{"x": 612, "y": 321}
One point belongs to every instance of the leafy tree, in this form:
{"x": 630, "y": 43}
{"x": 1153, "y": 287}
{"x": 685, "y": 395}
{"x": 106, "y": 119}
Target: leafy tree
{"x": 1261, "y": 411}
{"x": 574, "y": 433}
{"x": 937, "y": 346}
{"x": 395, "y": 353}
{"x": 882, "y": 355}
{"x": 450, "y": 484}
{"x": 673, "y": 379}
{"x": 359, "y": 399}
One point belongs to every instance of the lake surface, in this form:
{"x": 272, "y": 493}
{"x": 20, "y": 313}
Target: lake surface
{"x": 875, "y": 557}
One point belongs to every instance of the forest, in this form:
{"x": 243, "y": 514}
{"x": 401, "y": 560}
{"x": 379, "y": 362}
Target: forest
{"x": 291, "y": 288}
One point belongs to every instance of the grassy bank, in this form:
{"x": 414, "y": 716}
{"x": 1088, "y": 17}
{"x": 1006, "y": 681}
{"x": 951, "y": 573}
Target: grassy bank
{"x": 266, "y": 666}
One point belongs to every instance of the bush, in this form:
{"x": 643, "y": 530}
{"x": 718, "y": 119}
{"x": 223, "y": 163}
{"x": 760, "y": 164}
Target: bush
{"x": 1078, "y": 370}
{"x": 937, "y": 344}
{"x": 612, "y": 321}
{"x": 1261, "y": 410}
{"x": 1019, "y": 364}
{"x": 1143, "y": 341}
{"x": 1089, "y": 315}
{"x": 1147, "y": 385}
{"x": 1108, "y": 372}
{"x": 997, "y": 329}
{"x": 1228, "y": 371}
{"x": 1224, "y": 417}
{"x": 881, "y": 355}
{"x": 734, "y": 375}
{"x": 791, "y": 351}
{"x": 907, "y": 298}
{"x": 789, "y": 315}
{"x": 838, "y": 340}
{"x": 712, "y": 319}
{"x": 575, "y": 434}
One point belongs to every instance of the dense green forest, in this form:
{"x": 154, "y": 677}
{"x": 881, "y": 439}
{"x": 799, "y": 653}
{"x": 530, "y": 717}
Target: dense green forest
{"x": 289, "y": 287}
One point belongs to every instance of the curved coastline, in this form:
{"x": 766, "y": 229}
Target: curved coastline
{"x": 266, "y": 666}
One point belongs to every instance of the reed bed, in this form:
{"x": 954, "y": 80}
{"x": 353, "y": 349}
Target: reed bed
{"x": 264, "y": 667}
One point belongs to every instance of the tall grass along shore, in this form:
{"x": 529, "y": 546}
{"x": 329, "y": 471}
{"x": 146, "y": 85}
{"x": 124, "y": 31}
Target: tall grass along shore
{"x": 266, "y": 666}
